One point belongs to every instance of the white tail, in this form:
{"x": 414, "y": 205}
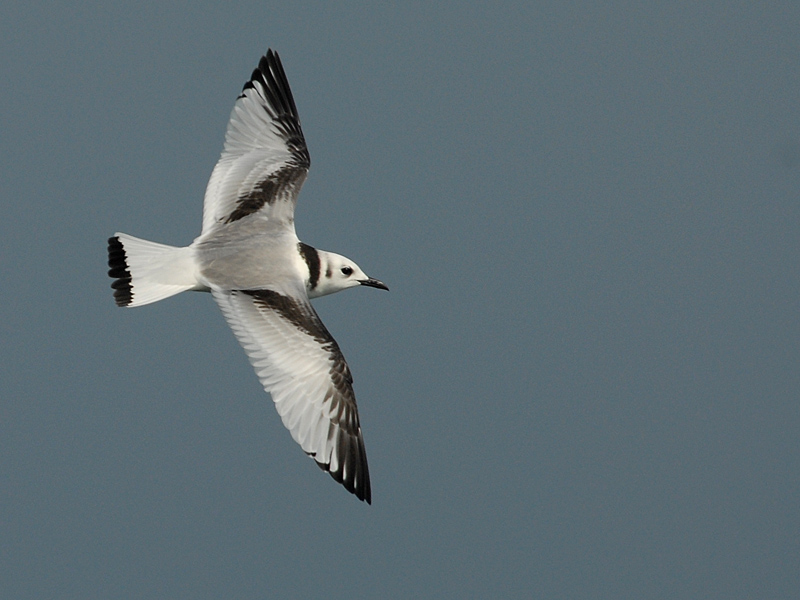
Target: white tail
{"x": 147, "y": 272}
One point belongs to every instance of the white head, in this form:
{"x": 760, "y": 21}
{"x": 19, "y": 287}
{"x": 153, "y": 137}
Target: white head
{"x": 329, "y": 273}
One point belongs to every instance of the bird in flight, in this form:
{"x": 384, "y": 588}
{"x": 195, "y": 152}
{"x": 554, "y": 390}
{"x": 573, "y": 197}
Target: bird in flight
{"x": 263, "y": 277}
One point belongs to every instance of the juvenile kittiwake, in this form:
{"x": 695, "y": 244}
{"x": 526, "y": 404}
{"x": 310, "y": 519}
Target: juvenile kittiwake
{"x": 262, "y": 276}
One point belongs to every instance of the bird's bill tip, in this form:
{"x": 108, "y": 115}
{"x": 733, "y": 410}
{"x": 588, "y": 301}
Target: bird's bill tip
{"x": 374, "y": 283}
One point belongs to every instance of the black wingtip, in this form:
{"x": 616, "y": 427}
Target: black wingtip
{"x": 270, "y": 74}
{"x": 118, "y": 269}
{"x": 353, "y": 472}
{"x": 277, "y": 84}
{"x": 275, "y": 90}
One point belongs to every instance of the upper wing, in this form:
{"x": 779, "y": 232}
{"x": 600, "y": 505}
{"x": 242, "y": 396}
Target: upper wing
{"x": 265, "y": 160}
{"x": 301, "y": 366}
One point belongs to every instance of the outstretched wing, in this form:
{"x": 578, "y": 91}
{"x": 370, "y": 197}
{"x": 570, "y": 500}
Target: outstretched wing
{"x": 301, "y": 366}
{"x": 265, "y": 159}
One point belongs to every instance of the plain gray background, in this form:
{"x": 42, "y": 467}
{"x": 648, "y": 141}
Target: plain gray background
{"x": 583, "y": 384}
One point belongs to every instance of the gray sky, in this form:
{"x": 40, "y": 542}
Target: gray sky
{"x": 583, "y": 384}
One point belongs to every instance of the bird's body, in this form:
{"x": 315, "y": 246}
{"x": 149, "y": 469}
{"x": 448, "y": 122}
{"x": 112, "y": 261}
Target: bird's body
{"x": 251, "y": 260}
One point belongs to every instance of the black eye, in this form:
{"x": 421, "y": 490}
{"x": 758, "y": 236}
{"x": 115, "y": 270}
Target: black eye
{"x": 347, "y": 271}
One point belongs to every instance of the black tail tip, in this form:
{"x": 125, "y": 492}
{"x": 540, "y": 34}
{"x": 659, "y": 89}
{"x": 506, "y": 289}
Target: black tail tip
{"x": 118, "y": 269}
